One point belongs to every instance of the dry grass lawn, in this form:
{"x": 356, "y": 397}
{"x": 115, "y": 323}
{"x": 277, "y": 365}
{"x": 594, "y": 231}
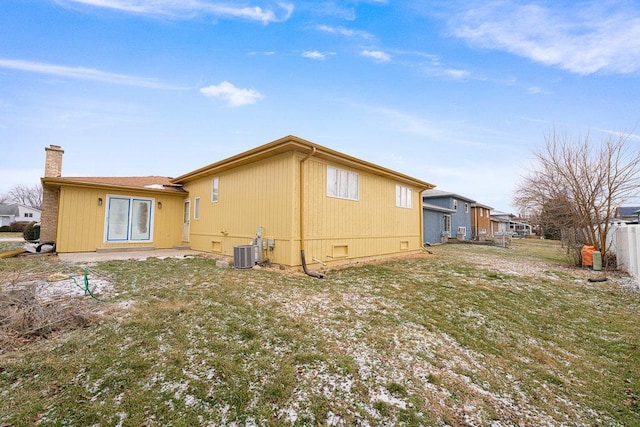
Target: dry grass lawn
{"x": 467, "y": 335}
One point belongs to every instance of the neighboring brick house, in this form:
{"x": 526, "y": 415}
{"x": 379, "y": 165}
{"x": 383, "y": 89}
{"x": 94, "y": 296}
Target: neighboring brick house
{"x": 480, "y": 221}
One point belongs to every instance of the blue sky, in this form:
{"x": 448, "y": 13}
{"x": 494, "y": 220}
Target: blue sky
{"x": 453, "y": 93}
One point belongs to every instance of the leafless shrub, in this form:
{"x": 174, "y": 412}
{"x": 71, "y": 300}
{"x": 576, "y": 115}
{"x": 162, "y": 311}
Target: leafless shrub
{"x": 25, "y": 316}
{"x": 576, "y": 184}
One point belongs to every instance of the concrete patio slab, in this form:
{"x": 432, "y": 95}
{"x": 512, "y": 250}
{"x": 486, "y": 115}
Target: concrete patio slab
{"x": 86, "y": 257}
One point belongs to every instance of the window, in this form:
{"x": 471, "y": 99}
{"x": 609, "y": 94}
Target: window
{"x": 466, "y": 208}
{"x": 196, "y": 208}
{"x": 342, "y": 184}
{"x": 215, "y": 189}
{"x": 481, "y": 212}
{"x": 403, "y": 197}
{"x": 447, "y": 225}
{"x": 128, "y": 219}
{"x": 455, "y": 205}
{"x": 28, "y": 215}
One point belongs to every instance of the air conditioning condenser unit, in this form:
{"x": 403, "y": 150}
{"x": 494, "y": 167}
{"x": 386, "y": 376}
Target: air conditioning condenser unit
{"x": 244, "y": 256}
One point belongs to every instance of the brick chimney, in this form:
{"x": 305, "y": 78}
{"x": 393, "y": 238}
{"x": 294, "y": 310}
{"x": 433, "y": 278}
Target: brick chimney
{"x": 50, "y": 195}
{"x": 53, "y": 161}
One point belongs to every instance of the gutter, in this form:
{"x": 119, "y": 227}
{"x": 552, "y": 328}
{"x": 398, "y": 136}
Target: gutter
{"x": 301, "y": 219}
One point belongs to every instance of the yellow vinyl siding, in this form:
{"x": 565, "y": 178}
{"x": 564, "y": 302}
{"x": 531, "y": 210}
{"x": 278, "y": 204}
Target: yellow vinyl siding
{"x": 369, "y": 227}
{"x": 81, "y": 220}
{"x": 260, "y": 194}
{"x": 167, "y": 225}
{"x": 266, "y": 194}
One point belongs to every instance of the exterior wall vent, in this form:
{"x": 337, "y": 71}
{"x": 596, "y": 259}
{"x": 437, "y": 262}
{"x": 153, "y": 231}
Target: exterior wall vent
{"x": 243, "y": 256}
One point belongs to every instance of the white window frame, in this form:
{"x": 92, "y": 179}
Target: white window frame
{"x": 481, "y": 212}
{"x": 455, "y": 204}
{"x": 215, "y": 189}
{"x": 196, "y": 208}
{"x": 120, "y": 225}
{"x": 446, "y": 226}
{"x": 466, "y": 208}
{"x": 342, "y": 184}
{"x": 404, "y": 197}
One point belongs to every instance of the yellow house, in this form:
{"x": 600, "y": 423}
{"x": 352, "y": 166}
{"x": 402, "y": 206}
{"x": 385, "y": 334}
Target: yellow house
{"x": 296, "y": 200}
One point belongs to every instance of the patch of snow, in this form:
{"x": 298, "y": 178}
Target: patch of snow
{"x": 122, "y": 416}
{"x": 190, "y": 401}
{"x": 382, "y": 395}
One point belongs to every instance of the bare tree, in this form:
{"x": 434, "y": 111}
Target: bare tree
{"x": 27, "y": 195}
{"x": 576, "y": 185}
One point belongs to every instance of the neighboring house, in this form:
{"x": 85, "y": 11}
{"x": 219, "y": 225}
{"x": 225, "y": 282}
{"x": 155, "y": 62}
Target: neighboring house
{"x": 436, "y": 223}
{"x": 628, "y": 214}
{"x": 500, "y": 222}
{"x": 10, "y": 213}
{"x": 446, "y": 215}
{"x": 480, "y": 221}
{"x": 292, "y": 194}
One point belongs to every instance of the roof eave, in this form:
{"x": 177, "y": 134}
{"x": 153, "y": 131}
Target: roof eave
{"x": 436, "y": 208}
{"x": 59, "y": 182}
{"x": 293, "y": 143}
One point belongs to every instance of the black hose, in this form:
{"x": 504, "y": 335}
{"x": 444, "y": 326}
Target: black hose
{"x": 306, "y": 270}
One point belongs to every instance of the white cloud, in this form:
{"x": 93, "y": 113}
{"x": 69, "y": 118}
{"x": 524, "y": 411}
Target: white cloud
{"x": 342, "y": 31}
{"x": 377, "y": 55}
{"x": 582, "y": 38}
{"x": 182, "y": 9}
{"x": 457, "y": 74}
{"x": 314, "y": 54}
{"x": 235, "y": 97}
{"x": 537, "y": 90}
{"x": 83, "y": 73}
{"x": 619, "y": 134}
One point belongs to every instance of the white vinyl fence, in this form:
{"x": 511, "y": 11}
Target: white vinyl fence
{"x": 627, "y": 245}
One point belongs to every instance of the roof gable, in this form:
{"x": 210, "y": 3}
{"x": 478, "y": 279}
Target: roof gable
{"x": 294, "y": 143}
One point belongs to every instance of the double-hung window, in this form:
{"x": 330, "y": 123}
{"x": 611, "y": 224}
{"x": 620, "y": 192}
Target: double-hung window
{"x": 129, "y": 219}
{"x": 403, "y": 197}
{"x": 342, "y": 184}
